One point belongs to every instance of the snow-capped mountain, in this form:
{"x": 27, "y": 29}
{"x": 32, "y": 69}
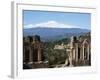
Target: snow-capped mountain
{"x": 50, "y": 24}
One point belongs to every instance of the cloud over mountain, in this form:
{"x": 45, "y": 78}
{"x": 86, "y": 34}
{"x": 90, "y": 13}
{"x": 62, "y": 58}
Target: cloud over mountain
{"x": 50, "y": 24}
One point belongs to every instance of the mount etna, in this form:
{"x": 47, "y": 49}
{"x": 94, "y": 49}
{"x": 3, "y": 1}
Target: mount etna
{"x": 47, "y": 34}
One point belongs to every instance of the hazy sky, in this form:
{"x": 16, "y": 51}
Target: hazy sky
{"x": 56, "y": 19}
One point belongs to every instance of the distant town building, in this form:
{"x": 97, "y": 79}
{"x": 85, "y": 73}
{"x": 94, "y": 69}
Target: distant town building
{"x": 62, "y": 46}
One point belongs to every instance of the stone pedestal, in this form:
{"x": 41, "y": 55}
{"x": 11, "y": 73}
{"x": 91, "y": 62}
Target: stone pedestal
{"x": 70, "y": 62}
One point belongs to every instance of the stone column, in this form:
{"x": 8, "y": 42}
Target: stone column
{"x": 30, "y": 55}
{"x": 76, "y": 52}
{"x": 88, "y": 52}
{"x": 23, "y": 54}
{"x": 83, "y": 51}
{"x": 70, "y": 57}
{"x": 39, "y": 54}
